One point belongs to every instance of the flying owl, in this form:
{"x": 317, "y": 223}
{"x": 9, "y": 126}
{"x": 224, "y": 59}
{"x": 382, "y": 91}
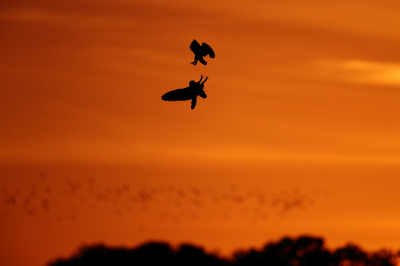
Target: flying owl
{"x": 200, "y": 52}
{"x": 190, "y": 93}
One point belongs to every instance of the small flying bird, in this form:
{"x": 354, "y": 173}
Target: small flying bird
{"x": 200, "y": 52}
{"x": 190, "y": 93}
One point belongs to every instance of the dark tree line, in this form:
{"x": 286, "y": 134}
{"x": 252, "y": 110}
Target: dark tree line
{"x": 309, "y": 251}
{"x": 303, "y": 251}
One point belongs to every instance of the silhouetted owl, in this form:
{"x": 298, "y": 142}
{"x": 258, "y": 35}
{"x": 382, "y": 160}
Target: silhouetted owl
{"x": 190, "y": 93}
{"x": 200, "y": 52}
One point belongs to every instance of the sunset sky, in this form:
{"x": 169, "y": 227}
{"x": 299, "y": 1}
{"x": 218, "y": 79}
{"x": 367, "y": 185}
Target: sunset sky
{"x": 300, "y": 132}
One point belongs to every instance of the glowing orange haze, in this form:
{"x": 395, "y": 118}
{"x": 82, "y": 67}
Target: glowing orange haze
{"x": 299, "y": 133}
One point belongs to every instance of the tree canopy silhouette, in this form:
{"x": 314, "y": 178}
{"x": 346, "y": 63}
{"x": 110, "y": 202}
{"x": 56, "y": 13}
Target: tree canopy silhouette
{"x": 302, "y": 251}
{"x": 153, "y": 253}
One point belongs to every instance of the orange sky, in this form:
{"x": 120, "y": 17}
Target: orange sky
{"x": 299, "y": 133}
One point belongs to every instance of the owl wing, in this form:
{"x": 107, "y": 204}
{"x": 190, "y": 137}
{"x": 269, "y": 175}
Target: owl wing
{"x": 207, "y": 50}
{"x": 178, "y": 95}
{"x": 195, "y": 47}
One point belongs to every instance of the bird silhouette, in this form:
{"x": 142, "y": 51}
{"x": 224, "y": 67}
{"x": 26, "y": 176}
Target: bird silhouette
{"x": 190, "y": 93}
{"x": 200, "y": 52}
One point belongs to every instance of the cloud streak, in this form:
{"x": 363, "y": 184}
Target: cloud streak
{"x": 359, "y": 71}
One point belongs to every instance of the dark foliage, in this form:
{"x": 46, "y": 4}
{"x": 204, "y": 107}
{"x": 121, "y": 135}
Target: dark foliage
{"x": 303, "y": 251}
{"x": 148, "y": 254}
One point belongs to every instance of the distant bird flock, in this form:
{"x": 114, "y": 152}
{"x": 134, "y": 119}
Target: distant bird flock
{"x": 168, "y": 203}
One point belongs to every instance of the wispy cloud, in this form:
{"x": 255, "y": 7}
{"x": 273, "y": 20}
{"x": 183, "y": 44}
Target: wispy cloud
{"x": 359, "y": 71}
{"x": 47, "y": 16}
